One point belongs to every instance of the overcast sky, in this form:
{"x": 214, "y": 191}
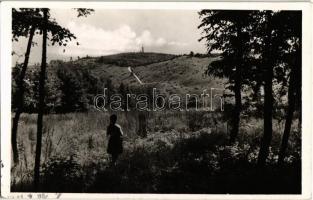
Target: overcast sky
{"x": 114, "y": 31}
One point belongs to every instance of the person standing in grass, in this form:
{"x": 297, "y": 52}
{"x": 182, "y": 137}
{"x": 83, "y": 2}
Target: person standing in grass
{"x": 115, "y": 144}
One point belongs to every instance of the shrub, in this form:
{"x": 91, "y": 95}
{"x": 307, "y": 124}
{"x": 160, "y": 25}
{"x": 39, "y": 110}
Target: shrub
{"x": 62, "y": 175}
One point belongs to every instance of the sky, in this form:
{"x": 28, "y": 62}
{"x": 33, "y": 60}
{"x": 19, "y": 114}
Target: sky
{"x": 108, "y": 32}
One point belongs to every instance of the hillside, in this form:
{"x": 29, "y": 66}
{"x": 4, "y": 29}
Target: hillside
{"x": 168, "y": 73}
{"x": 72, "y": 85}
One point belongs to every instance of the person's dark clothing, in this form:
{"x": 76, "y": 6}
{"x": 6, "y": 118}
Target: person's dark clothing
{"x": 115, "y": 144}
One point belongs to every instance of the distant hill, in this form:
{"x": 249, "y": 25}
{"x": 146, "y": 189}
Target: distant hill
{"x": 74, "y": 84}
{"x": 169, "y": 73}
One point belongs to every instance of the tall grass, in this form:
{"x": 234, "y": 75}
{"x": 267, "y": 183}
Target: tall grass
{"x": 184, "y": 152}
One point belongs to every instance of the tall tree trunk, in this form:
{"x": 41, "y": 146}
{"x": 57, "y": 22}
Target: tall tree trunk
{"x": 269, "y": 55}
{"x": 237, "y": 109}
{"x": 289, "y": 116}
{"x": 268, "y": 114}
{"x": 20, "y": 97}
{"x": 237, "y": 86}
{"x": 293, "y": 91}
{"x": 41, "y": 99}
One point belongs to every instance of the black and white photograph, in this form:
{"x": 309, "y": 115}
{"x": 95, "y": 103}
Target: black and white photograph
{"x": 166, "y": 100}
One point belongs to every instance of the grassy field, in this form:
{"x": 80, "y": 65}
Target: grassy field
{"x": 184, "y": 152}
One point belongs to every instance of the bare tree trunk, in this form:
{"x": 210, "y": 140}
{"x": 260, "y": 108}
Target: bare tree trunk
{"x": 294, "y": 86}
{"x": 237, "y": 87}
{"x": 20, "y": 97}
{"x": 268, "y": 115}
{"x": 268, "y": 96}
{"x": 41, "y": 99}
{"x": 289, "y": 116}
{"x": 237, "y": 110}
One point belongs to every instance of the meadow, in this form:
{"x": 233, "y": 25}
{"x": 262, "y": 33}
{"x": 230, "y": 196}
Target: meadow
{"x": 184, "y": 152}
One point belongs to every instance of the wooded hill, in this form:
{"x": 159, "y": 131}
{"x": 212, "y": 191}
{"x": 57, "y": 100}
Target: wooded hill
{"x": 72, "y": 85}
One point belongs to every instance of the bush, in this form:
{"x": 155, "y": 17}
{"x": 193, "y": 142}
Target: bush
{"x": 62, "y": 175}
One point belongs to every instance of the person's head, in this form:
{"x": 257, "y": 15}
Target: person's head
{"x": 113, "y": 119}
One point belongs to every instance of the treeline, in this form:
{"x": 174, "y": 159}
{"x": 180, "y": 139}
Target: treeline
{"x": 66, "y": 90}
{"x": 261, "y": 53}
{"x": 134, "y": 59}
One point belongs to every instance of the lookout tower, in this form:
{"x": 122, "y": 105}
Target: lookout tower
{"x": 142, "y": 49}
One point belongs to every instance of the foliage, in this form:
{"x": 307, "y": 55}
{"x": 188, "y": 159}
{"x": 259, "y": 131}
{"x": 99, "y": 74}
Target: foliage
{"x": 84, "y": 12}
{"x": 61, "y": 174}
{"x": 229, "y": 33}
{"x": 72, "y": 95}
{"x": 256, "y": 48}
{"x": 24, "y": 18}
{"x": 166, "y": 161}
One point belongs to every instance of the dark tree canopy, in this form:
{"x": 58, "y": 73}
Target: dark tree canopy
{"x": 25, "y": 18}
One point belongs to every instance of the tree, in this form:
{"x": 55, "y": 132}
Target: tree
{"x": 274, "y": 45}
{"x": 73, "y": 97}
{"x": 268, "y": 65}
{"x": 41, "y": 98}
{"x": 228, "y": 32}
{"x": 59, "y": 35}
{"x": 23, "y": 23}
{"x": 292, "y": 32}
{"x": 259, "y": 48}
